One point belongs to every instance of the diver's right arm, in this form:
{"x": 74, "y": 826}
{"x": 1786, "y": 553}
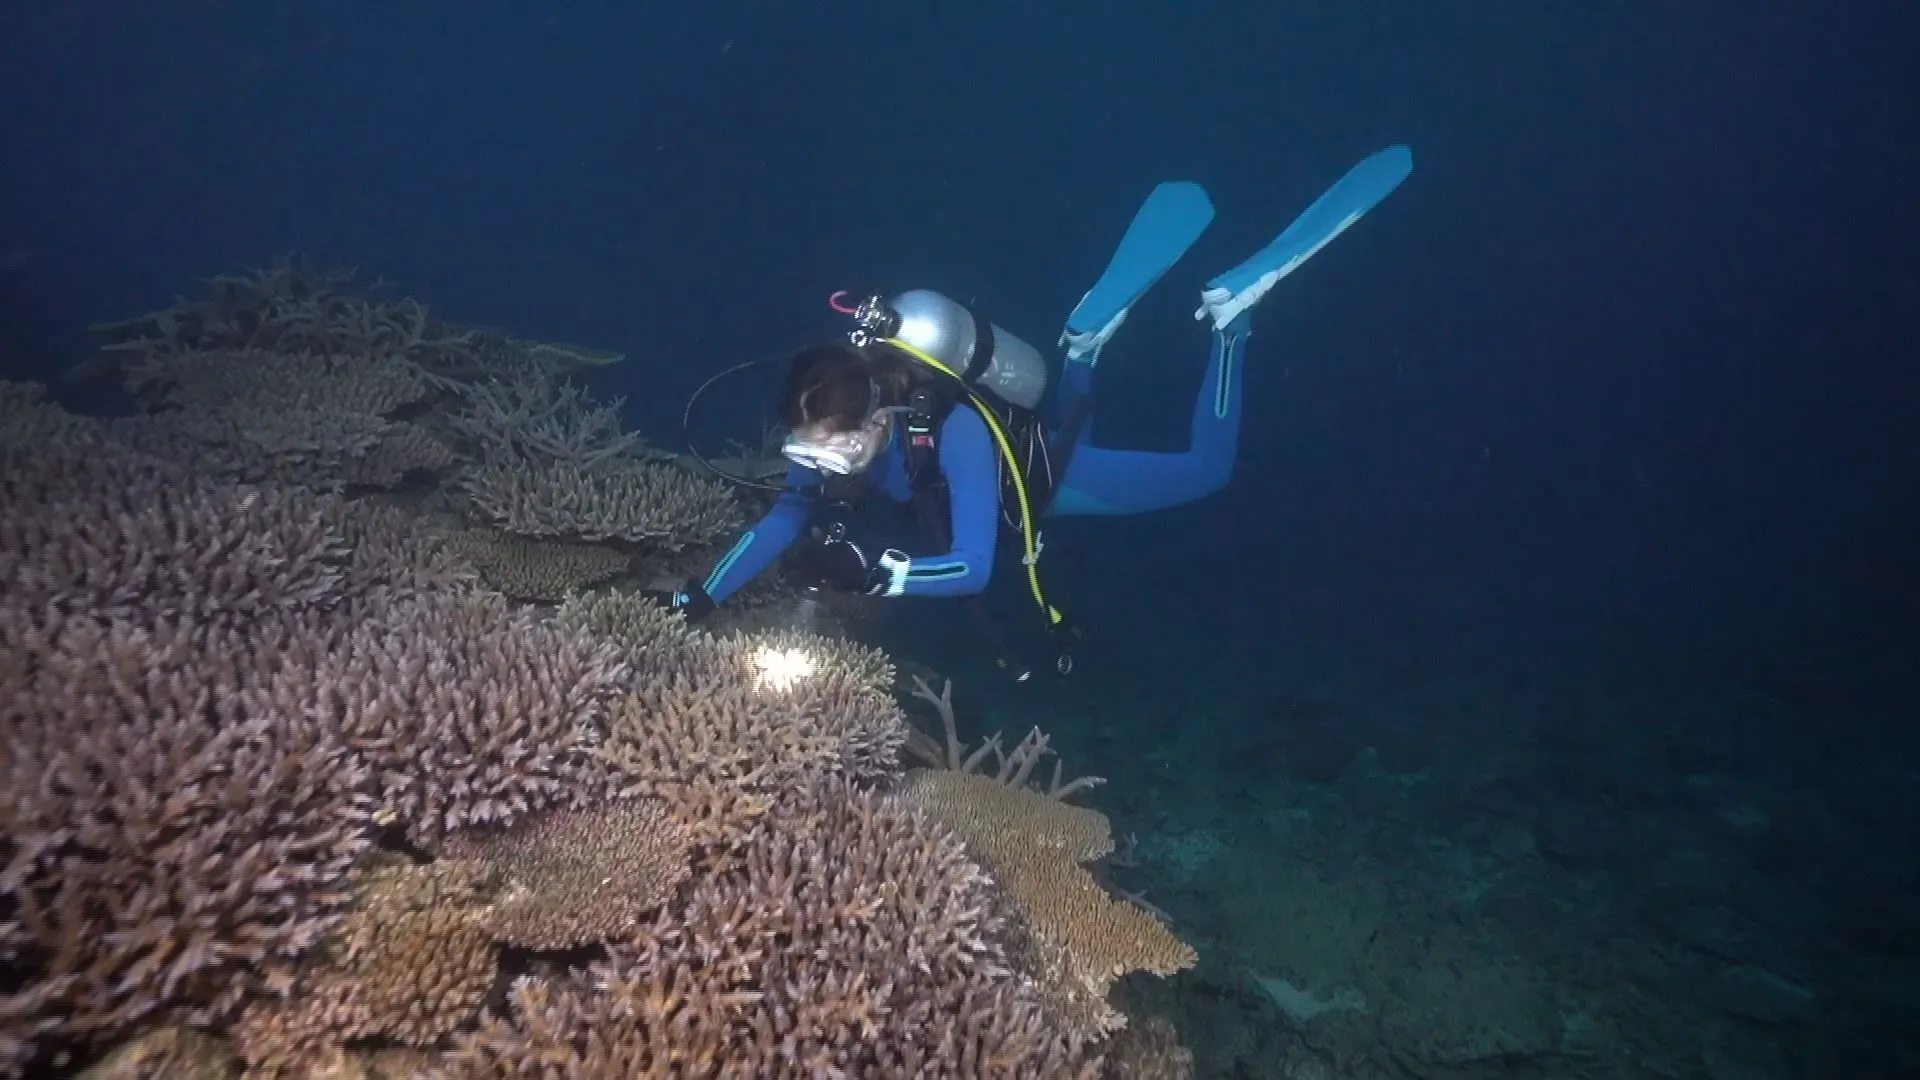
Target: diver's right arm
{"x": 759, "y": 546}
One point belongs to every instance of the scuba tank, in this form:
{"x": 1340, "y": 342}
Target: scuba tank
{"x": 983, "y": 355}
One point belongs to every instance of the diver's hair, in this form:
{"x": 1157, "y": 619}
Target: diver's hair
{"x": 840, "y": 385}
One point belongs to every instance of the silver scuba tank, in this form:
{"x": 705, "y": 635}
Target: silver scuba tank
{"x": 945, "y": 330}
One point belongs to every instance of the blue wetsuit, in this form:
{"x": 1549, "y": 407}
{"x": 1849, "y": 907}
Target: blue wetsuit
{"x": 1098, "y": 481}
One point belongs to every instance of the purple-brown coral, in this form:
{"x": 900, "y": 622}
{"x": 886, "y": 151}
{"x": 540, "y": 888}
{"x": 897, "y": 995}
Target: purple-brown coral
{"x": 853, "y": 938}
{"x": 573, "y": 877}
{"x": 176, "y": 826}
{"x": 175, "y": 833}
{"x": 468, "y": 713}
{"x": 410, "y": 963}
{"x": 111, "y": 533}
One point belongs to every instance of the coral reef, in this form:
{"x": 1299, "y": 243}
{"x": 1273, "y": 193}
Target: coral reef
{"x": 531, "y": 420}
{"x": 579, "y": 877}
{"x": 467, "y": 713}
{"x": 536, "y": 569}
{"x": 28, "y": 419}
{"x": 288, "y": 307}
{"x": 177, "y": 833}
{"x": 321, "y": 421}
{"x": 656, "y": 505}
{"x": 1034, "y": 843}
{"x": 853, "y": 938}
{"x": 411, "y": 963}
{"x": 284, "y": 763}
{"x": 92, "y": 531}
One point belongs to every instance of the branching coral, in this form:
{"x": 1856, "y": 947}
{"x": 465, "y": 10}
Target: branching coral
{"x": 319, "y": 421}
{"x": 177, "y": 825}
{"x": 535, "y": 569}
{"x": 853, "y": 938}
{"x": 468, "y": 713}
{"x": 109, "y": 533}
{"x": 531, "y": 420}
{"x": 411, "y": 962}
{"x": 176, "y": 834}
{"x": 277, "y": 382}
{"x": 625, "y": 620}
{"x": 290, "y": 308}
{"x": 576, "y": 877}
{"x": 1034, "y": 843}
{"x": 28, "y": 419}
{"x": 1012, "y": 767}
{"x": 719, "y": 726}
{"x": 651, "y": 504}
{"x": 1082, "y": 939}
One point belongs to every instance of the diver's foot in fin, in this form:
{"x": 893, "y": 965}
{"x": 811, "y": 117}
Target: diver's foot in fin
{"x": 1166, "y": 225}
{"x": 1230, "y": 295}
{"x": 1085, "y": 346}
{"x": 1223, "y": 306}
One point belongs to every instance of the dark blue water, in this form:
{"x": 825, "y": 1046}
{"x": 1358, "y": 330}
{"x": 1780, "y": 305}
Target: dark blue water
{"x": 1578, "y": 481}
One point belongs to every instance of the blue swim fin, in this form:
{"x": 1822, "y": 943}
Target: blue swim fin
{"x": 1167, "y": 224}
{"x": 1330, "y": 215}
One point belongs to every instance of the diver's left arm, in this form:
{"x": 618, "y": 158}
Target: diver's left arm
{"x": 973, "y": 484}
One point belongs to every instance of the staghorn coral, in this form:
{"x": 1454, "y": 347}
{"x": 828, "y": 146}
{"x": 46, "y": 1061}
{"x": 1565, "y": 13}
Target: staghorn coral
{"x": 468, "y": 713}
{"x": 257, "y": 381}
{"x": 1012, "y": 767}
{"x": 108, "y": 532}
{"x": 577, "y": 877}
{"x": 111, "y": 532}
{"x": 627, "y": 620}
{"x": 28, "y": 419}
{"x": 853, "y": 938}
{"x": 706, "y": 727}
{"x": 397, "y": 555}
{"x": 411, "y": 963}
{"x": 170, "y": 1053}
{"x": 401, "y": 450}
{"x": 323, "y": 451}
{"x": 655, "y": 505}
{"x": 531, "y": 420}
{"x": 176, "y": 835}
{"x": 1081, "y": 938}
{"x": 609, "y": 1025}
{"x": 317, "y": 421}
{"x": 288, "y": 307}
{"x": 535, "y": 569}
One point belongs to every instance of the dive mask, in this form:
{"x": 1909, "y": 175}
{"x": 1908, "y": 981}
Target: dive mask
{"x": 841, "y": 454}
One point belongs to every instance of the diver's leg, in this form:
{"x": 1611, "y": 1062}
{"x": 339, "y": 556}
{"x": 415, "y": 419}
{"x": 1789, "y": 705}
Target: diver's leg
{"x": 1075, "y": 408}
{"x": 1103, "y": 481}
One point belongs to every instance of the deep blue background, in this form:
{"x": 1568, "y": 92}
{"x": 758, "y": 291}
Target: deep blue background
{"x": 1628, "y": 369}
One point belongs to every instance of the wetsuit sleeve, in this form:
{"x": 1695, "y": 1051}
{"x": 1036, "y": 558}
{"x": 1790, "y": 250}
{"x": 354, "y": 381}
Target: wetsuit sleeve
{"x": 767, "y": 540}
{"x": 967, "y": 460}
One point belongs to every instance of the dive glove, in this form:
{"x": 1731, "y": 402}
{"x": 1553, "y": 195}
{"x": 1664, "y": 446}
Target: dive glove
{"x": 690, "y": 600}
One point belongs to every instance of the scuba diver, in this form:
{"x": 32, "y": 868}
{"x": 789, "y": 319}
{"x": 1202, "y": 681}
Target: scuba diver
{"x": 931, "y": 405}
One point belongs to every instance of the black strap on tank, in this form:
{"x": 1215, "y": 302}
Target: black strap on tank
{"x": 924, "y": 415}
{"x": 982, "y": 357}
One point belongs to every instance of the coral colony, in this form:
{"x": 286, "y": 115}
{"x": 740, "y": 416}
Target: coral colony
{"x": 295, "y": 781}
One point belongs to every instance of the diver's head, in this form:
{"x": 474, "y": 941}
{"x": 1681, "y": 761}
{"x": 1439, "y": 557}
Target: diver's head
{"x": 838, "y": 406}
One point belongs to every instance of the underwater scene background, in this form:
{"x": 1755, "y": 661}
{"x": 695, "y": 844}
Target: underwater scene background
{"x": 1537, "y": 700}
